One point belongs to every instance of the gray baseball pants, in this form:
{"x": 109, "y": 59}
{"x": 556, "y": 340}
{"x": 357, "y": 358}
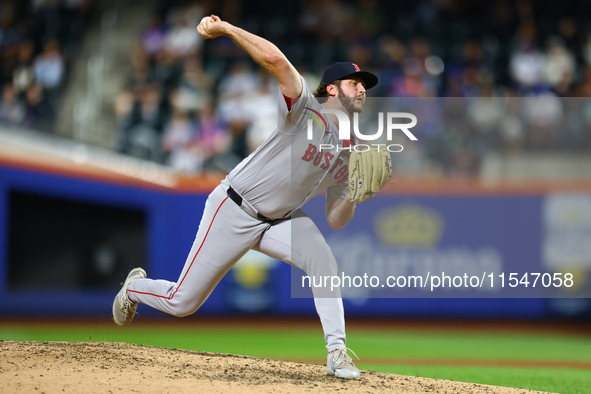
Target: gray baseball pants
{"x": 225, "y": 234}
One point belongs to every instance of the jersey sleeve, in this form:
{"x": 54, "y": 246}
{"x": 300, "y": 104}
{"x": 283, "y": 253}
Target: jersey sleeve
{"x": 337, "y": 192}
{"x": 290, "y": 120}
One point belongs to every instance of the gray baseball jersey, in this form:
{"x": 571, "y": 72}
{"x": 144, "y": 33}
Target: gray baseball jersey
{"x": 275, "y": 180}
{"x": 288, "y": 169}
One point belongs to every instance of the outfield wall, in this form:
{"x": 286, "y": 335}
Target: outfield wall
{"x": 67, "y": 239}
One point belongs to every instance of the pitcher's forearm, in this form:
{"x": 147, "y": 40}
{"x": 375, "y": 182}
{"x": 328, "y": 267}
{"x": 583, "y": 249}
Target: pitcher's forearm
{"x": 339, "y": 214}
{"x": 268, "y": 56}
{"x": 262, "y": 51}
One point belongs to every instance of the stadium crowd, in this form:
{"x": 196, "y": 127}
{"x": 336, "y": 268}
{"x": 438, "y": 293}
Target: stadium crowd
{"x": 521, "y": 66}
{"x": 38, "y": 41}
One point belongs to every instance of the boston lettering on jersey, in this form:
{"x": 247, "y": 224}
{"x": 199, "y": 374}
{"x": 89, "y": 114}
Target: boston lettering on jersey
{"x": 322, "y": 159}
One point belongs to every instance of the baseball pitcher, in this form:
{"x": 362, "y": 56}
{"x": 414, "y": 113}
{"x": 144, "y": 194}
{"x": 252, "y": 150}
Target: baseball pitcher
{"x": 258, "y": 205}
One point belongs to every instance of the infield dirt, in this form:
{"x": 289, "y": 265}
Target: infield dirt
{"x": 107, "y": 367}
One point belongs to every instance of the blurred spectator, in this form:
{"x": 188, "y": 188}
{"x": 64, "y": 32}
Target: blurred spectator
{"x": 194, "y": 87}
{"x": 177, "y": 135}
{"x": 49, "y": 66}
{"x": 181, "y": 39}
{"x": 211, "y": 139}
{"x": 141, "y": 122}
{"x": 49, "y": 70}
{"x": 153, "y": 39}
{"x": 558, "y": 69}
{"x": 511, "y": 125}
{"x": 543, "y": 115}
{"x": 12, "y": 110}
{"x": 413, "y": 82}
{"x": 194, "y": 146}
{"x": 38, "y": 112}
{"x": 142, "y": 75}
{"x": 527, "y": 60}
{"x": 23, "y": 74}
{"x": 239, "y": 81}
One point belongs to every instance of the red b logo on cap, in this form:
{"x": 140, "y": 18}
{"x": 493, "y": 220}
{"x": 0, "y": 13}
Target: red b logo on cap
{"x": 356, "y": 67}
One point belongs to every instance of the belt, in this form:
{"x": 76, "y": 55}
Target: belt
{"x": 238, "y": 200}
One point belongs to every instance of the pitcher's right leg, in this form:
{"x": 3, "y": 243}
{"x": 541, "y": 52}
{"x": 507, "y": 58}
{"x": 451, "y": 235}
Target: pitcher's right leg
{"x": 225, "y": 234}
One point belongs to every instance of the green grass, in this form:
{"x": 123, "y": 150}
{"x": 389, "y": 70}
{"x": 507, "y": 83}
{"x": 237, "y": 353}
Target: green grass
{"x": 391, "y": 348}
{"x": 570, "y": 381}
{"x": 460, "y": 346}
{"x": 251, "y": 342}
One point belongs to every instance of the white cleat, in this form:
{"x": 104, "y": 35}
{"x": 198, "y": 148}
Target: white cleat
{"x": 123, "y": 308}
{"x": 340, "y": 364}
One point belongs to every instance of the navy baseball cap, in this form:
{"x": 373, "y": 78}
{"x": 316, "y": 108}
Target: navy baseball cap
{"x": 344, "y": 70}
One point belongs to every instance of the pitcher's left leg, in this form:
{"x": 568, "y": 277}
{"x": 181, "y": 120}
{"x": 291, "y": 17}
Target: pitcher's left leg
{"x": 299, "y": 243}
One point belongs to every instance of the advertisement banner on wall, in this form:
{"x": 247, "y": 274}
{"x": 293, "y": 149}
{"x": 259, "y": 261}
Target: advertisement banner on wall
{"x": 436, "y": 247}
{"x": 566, "y": 248}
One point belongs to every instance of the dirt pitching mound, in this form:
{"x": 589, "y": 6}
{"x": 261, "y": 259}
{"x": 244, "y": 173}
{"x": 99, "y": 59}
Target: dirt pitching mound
{"x": 51, "y": 367}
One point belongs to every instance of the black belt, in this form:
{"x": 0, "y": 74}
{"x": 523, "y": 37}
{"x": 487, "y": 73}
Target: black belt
{"x": 238, "y": 200}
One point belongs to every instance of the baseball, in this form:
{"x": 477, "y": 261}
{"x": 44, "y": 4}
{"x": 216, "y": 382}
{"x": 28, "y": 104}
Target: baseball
{"x": 205, "y": 22}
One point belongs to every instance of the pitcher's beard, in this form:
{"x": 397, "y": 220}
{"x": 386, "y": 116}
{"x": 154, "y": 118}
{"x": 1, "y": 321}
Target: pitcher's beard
{"x": 350, "y": 104}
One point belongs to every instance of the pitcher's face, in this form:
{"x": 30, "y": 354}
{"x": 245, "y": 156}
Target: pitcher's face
{"x": 353, "y": 88}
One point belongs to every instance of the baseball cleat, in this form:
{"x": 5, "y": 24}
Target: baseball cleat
{"x": 123, "y": 307}
{"x": 340, "y": 364}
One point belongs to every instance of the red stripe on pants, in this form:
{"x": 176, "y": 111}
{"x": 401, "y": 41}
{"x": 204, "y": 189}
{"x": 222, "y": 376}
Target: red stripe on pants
{"x": 192, "y": 261}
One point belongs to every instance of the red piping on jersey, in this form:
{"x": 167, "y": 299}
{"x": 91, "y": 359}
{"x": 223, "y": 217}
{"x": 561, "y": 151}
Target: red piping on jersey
{"x": 192, "y": 261}
{"x": 289, "y": 101}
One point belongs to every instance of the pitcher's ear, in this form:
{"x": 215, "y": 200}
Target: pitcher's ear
{"x": 332, "y": 90}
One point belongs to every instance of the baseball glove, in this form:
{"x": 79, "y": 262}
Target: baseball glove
{"x": 368, "y": 173}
